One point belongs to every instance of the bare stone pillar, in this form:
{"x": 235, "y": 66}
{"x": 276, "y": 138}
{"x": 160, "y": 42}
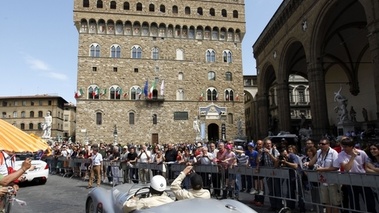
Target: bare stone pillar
{"x": 262, "y": 115}
{"x": 284, "y": 109}
{"x": 373, "y": 40}
{"x": 316, "y": 79}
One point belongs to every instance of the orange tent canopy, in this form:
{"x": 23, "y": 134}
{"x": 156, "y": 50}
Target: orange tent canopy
{"x": 16, "y": 140}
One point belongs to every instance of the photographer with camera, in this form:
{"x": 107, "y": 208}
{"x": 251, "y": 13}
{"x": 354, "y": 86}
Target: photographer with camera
{"x": 290, "y": 160}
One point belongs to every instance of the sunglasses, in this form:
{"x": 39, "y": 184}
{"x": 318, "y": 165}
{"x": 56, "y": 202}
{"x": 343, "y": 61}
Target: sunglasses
{"x": 322, "y": 144}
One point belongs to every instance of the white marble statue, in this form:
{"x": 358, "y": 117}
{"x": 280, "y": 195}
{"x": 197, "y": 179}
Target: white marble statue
{"x": 46, "y": 127}
{"x": 341, "y": 109}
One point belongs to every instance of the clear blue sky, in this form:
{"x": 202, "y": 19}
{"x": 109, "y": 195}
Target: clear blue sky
{"x": 39, "y": 45}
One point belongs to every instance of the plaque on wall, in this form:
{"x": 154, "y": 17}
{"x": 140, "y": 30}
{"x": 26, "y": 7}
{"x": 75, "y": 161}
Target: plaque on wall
{"x": 207, "y": 34}
{"x": 118, "y": 28}
{"x": 101, "y": 28}
{"x": 110, "y": 29}
{"x": 92, "y": 28}
{"x": 136, "y": 31}
{"x": 154, "y": 31}
{"x": 145, "y": 31}
{"x": 128, "y": 30}
{"x": 230, "y": 36}
{"x": 199, "y": 34}
{"x": 162, "y": 32}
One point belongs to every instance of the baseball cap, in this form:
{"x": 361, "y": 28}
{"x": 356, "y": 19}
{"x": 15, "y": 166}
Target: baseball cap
{"x": 125, "y": 147}
{"x": 251, "y": 144}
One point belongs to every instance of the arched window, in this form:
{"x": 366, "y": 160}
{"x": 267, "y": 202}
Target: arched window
{"x": 162, "y": 8}
{"x": 94, "y": 50}
{"x": 212, "y": 94}
{"x": 212, "y": 12}
{"x": 210, "y": 55}
{"x": 155, "y": 53}
{"x": 99, "y": 118}
{"x": 155, "y": 119}
{"x": 151, "y": 7}
{"x": 40, "y": 114}
{"x": 99, "y": 4}
{"x": 131, "y": 118}
{"x": 126, "y": 6}
{"x": 23, "y": 114}
{"x": 211, "y": 76}
{"x": 228, "y": 76}
{"x": 113, "y": 5}
{"x": 93, "y": 92}
{"x": 22, "y": 126}
{"x": 136, "y": 51}
{"x": 235, "y": 14}
{"x": 229, "y": 95}
{"x": 135, "y": 93}
{"x": 15, "y": 114}
{"x": 175, "y": 9}
{"x": 187, "y": 10}
{"x": 179, "y": 54}
{"x": 115, "y": 93}
{"x": 115, "y": 51}
{"x": 39, "y": 126}
{"x": 180, "y": 94}
{"x": 139, "y": 7}
{"x": 31, "y": 114}
{"x": 180, "y": 76}
{"x": 85, "y": 3}
{"x": 224, "y": 13}
{"x": 227, "y": 56}
{"x": 200, "y": 11}
{"x": 31, "y": 126}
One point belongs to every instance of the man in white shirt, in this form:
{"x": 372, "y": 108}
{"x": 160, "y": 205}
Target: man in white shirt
{"x": 144, "y": 157}
{"x": 325, "y": 160}
{"x": 96, "y": 167}
{"x": 353, "y": 160}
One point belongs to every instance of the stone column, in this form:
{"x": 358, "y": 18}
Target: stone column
{"x": 373, "y": 40}
{"x": 284, "y": 113}
{"x": 316, "y": 79}
{"x": 262, "y": 102}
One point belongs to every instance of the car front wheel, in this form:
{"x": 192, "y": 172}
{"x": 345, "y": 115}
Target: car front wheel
{"x": 90, "y": 206}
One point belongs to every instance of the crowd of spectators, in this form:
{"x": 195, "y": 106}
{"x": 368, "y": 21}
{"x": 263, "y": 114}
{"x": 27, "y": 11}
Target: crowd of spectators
{"x": 324, "y": 156}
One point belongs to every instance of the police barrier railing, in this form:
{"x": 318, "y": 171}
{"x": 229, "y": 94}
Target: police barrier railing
{"x": 355, "y": 191}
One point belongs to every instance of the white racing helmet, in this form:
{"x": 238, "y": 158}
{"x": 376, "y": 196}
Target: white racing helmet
{"x": 158, "y": 183}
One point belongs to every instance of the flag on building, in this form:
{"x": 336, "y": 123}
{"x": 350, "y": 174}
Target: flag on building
{"x": 95, "y": 92}
{"x": 125, "y": 94}
{"x": 78, "y": 93}
{"x": 237, "y": 97}
{"x": 146, "y": 88}
{"x": 152, "y": 89}
{"x": 162, "y": 88}
{"x": 201, "y": 96}
{"x": 104, "y": 91}
{"x": 118, "y": 92}
{"x": 227, "y": 97}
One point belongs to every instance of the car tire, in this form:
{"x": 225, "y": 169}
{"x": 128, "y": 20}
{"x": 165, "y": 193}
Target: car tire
{"x": 90, "y": 206}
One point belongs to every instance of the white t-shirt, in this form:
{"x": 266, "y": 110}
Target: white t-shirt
{"x": 5, "y": 164}
{"x": 360, "y": 160}
{"x": 143, "y": 157}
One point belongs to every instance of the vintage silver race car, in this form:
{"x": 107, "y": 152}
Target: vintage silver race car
{"x": 101, "y": 200}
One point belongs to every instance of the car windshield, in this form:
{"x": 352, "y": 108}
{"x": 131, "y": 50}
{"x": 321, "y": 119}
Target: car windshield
{"x": 23, "y": 156}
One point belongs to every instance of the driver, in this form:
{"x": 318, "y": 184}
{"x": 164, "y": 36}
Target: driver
{"x": 158, "y": 196}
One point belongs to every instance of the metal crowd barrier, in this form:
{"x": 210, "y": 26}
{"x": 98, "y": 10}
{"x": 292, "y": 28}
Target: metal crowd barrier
{"x": 281, "y": 185}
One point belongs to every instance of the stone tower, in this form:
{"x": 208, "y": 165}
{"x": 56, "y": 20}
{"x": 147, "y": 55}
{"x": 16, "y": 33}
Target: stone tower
{"x": 148, "y": 70}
